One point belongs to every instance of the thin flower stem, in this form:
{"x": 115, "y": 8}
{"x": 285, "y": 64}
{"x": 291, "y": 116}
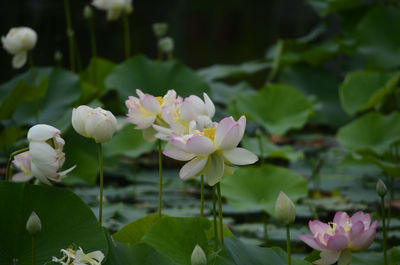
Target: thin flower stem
{"x": 127, "y": 35}
{"x": 384, "y": 230}
{"x": 161, "y": 179}
{"x": 70, "y": 35}
{"x": 92, "y": 34}
{"x": 389, "y": 215}
{"x": 266, "y": 231}
{"x": 221, "y": 223}
{"x": 9, "y": 168}
{"x": 215, "y": 218}
{"x": 33, "y": 76}
{"x": 100, "y": 151}
{"x": 277, "y": 61}
{"x": 288, "y": 249}
{"x": 202, "y": 196}
{"x": 260, "y": 146}
{"x": 33, "y": 251}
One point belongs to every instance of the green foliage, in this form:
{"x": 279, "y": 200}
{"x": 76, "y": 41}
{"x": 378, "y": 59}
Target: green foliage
{"x": 66, "y": 220}
{"x": 277, "y": 107}
{"x": 363, "y": 90}
{"x": 154, "y": 77}
{"x": 257, "y": 188}
{"x": 326, "y": 7}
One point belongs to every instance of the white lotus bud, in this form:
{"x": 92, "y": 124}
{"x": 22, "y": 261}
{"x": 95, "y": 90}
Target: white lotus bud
{"x": 18, "y": 42}
{"x": 198, "y": 256}
{"x": 33, "y": 225}
{"x": 97, "y": 123}
{"x": 285, "y": 211}
{"x": 166, "y": 44}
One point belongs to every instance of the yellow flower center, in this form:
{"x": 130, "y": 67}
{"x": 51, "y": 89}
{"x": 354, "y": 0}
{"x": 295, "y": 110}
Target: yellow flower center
{"x": 160, "y": 100}
{"x": 209, "y": 132}
{"x": 332, "y": 228}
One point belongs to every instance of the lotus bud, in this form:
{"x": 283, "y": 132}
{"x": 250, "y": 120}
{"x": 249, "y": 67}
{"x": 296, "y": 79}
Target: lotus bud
{"x": 381, "y": 188}
{"x": 97, "y": 123}
{"x": 166, "y": 45}
{"x": 58, "y": 56}
{"x": 198, "y": 256}
{"x": 87, "y": 12}
{"x": 285, "y": 211}
{"x": 160, "y": 29}
{"x": 33, "y": 225}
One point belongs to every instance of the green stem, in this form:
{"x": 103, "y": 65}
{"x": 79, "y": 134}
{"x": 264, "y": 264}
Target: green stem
{"x": 221, "y": 227}
{"x": 100, "y": 151}
{"x": 288, "y": 249}
{"x": 276, "y": 62}
{"x": 127, "y": 35}
{"x": 265, "y": 231}
{"x": 9, "y": 168}
{"x": 202, "y": 196}
{"x": 215, "y": 218}
{"x": 78, "y": 56}
{"x": 389, "y": 215}
{"x": 70, "y": 35}
{"x": 33, "y": 251}
{"x": 92, "y": 34}
{"x": 260, "y": 146}
{"x": 33, "y": 76}
{"x": 161, "y": 179}
{"x": 384, "y": 230}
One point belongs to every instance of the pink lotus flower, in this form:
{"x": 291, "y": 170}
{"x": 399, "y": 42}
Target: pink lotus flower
{"x": 23, "y": 162}
{"x": 336, "y": 240}
{"x": 147, "y": 110}
{"x": 212, "y": 151}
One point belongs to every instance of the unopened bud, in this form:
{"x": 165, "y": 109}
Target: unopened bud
{"x": 198, "y": 256}
{"x": 87, "y": 12}
{"x": 381, "y": 188}
{"x": 58, "y": 56}
{"x": 33, "y": 225}
{"x": 166, "y": 45}
{"x": 285, "y": 211}
{"x": 160, "y": 29}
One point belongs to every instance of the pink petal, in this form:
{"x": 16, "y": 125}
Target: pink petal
{"x": 337, "y": 243}
{"x": 313, "y": 242}
{"x": 327, "y": 258}
{"x": 21, "y": 177}
{"x": 356, "y": 230}
{"x": 231, "y": 139}
{"x": 150, "y": 103}
{"x": 360, "y": 216}
{"x": 222, "y": 129}
{"x": 209, "y": 105}
{"x": 318, "y": 227}
{"x": 200, "y": 145}
{"x": 178, "y": 143}
{"x": 140, "y": 93}
{"x": 193, "y": 167}
{"x": 364, "y": 240}
{"x": 178, "y": 155}
{"x": 242, "y": 123}
{"x": 240, "y": 156}
{"x": 342, "y": 219}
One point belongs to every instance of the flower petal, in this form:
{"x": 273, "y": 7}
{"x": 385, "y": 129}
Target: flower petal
{"x": 313, "y": 242}
{"x": 209, "y": 105}
{"x": 215, "y": 169}
{"x": 39, "y": 175}
{"x": 178, "y": 155}
{"x": 364, "y": 240}
{"x": 318, "y": 227}
{"x": 240, "y": 156}
{"x": 231, "y": 139}
{"x": 327, "y": 258}
{"x": 342, "y": 219}
{"x": 42, "y": 132}
{"x": 22, "y": 177}
{"x": 360, "y": 216}
{"x": 150, "y": 103}
{"x": 193, "y": 167}
{"x": 19, "y": 60}
{"x": 222, "y": 129}
{"x": 337, "y": 243}
{"x": 200, "y": 145}
{"x": 356, "y": 230}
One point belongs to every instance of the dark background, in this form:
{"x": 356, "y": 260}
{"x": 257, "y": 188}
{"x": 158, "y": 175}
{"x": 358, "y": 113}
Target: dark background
{"x": 206, "y": 32}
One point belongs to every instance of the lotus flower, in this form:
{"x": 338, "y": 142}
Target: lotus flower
{"x": 46, "y": 151}
{"x": 18, "y": 42}
{"x": 23, "y": 162}
{"x": 97, "y": 123}
{"x": 336, "y": 240}
{"x": 114, "y": 8}
{"x": 147, "y": 110}
{"x": 78, "y": 257}
{"x": 179, "y": 116}
{"x": 212, "y": 151}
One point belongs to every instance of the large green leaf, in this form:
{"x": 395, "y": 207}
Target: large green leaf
{"x": 277, "y": 107}
{"x": 65, "y": 220}
{"x": 373, "y": 132}
{"x": 326, "y": 7}
{"x": 154, "y": 77}
{"x": 176, "y": 237}
{"x": 129, "y": 142}
{"x": 363, "y": 90}
{"x": 257, "y": 188}
{"x": 378, "y": 36}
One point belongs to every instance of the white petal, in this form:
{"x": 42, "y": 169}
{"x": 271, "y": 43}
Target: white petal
{"x": 193, "y": 167}
{"x": 79, "y": 117}
{"x": 43, "y": 152}
{"x": 151, "y": 104}
{"x": 21, "y": 177}
{"x": 209, "y": 105}
{"x": 178, "y": 155}
{"x": 42, "y": 132}
{"x": 39, "y": 175}
{"x": 231, "y": 139}
{"x": 19, "y": 60}
{"x": 215, "y": 169}
{"x": 200, "y": 145}
{"x": 327, "y": 258}
{"x": 222, "y": 129}
{"x": 240, "y": 156}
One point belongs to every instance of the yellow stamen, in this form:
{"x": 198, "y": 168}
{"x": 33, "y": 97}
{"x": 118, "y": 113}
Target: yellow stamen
{"x": 160, "y": 100}
{"x": 332, "y": 228}
{"x": 209, "y": 132}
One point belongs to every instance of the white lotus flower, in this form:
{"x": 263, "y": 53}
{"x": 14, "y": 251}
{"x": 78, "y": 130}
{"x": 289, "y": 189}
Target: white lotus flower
{"x": 46, "y": 151}
{"x": 97, "y": 123}
{"x": 114, "y": 8}
{"x": 78, "y": 257}
{"x": 18, "y": 42}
